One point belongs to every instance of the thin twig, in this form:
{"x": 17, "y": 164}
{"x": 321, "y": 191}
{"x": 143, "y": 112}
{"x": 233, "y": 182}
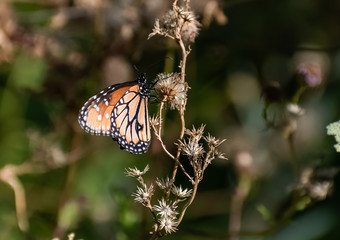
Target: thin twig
{"x": 174, "y": 172}
{"x": 160, "y": 118}
{"x": 156, "y": 234}
{"x": 186, "y": 174}
{"x": 159, "y": 132}
{"x": 174, "y": 4}
{"x": 236, "y": 207}
{"x": 184, "y": 58}
{"x": 193, "y": 195}
{"x": 9, "y": 176}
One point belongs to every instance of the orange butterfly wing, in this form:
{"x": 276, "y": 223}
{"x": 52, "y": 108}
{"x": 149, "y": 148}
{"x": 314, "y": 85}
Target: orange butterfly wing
{"x": 120, "y": 111}
{"x": 130, "y": 122}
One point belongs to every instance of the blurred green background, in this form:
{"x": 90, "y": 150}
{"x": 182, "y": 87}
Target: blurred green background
{"x": 281, "y": 179}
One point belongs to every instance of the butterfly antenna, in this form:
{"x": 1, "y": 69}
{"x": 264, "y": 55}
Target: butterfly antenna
{"x": 157, "y": 62}
{"x": 158, "y": 79}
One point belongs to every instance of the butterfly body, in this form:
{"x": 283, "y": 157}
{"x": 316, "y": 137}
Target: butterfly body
{"x": 120, "y": 111}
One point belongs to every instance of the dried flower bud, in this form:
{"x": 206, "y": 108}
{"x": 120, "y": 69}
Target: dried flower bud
{"x": 169, "y": 22}
{"x": 316, "y": 183}
{"x": 164, "y": 183}
{"x": 170, "y": 89}
{"x": 295, "y": 109}
{"x": 168, "y": 224}
{"x": 212, "y": 141}
{"x": 177, "y": 24}
{"x": 189, "y": 30}
{"x": 165, "y": 209}
{"x": 134, "y": 172}
{"x": 144, "y": 194}
{"x": 181, "y": 193}
{"x": 154, "y": 120}
{"x": 167, "y": 213}
{"x": 199, "y": 157}
{"x": 219, "y": 154}
{"x": 195, "y": 134}
{"x": 192, "y": 149}
{"x": 311, "y": 74}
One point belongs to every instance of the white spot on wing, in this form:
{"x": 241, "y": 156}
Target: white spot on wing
{"x": 96, "y": 107}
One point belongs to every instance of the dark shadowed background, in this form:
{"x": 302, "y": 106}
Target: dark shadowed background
{"x": 264, "y": 74}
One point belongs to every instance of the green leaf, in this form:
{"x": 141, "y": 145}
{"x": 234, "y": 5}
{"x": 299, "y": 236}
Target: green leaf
{"x": 68, "y": 214}
{"x": 28, "y": 71}
{"x": 264, "y": 212}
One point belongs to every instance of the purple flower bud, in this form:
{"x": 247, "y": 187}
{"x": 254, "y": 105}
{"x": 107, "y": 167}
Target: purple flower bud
{"x": 310, "y": 73}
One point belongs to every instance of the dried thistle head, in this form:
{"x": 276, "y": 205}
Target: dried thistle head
{"x": 213, "y": 143}
{"x": 166, "y": 210}
{"x": 317, "y": 183}
{"x": 177, "y": 24}
{"x": 194, "y": 133}
{"x": 154, "y": 121}
{"x": 164, "y": 183}
{"x": 200, "y": 157}
{"x": 192, "y": 148}
{"x": 134, "y": 172}
{"x": 190, "y": 25}
{"x": 170, "y": 89}
{"x": 144, "y": 194}
{"x": 180, "y": 192}
{"x": 168, "y": 224}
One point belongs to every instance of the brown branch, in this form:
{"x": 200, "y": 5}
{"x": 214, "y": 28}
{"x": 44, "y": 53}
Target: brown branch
{"x": 159, "y": 132}
{"x": 193, "y": 195}
{"x": 174, "y": 172}
{"x": 236, "y": 206}
{"x": 9, "y": 174}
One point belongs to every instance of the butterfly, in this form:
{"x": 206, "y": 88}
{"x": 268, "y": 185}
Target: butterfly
{"x": 120, "y": 111}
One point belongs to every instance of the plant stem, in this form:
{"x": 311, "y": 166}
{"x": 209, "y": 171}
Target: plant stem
{"x": 193, "y": 195}
{"x": 184, "y": 59}
{"x": 174, "y": 172}
{"x": 236, "y": 206}
{"x": 159, "y": 134}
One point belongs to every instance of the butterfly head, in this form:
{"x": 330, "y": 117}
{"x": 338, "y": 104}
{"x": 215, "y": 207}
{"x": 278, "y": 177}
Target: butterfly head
{"x": 143, "y": 86}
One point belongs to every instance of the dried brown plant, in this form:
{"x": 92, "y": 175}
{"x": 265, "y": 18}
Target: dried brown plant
{"x": 179, "y": 24}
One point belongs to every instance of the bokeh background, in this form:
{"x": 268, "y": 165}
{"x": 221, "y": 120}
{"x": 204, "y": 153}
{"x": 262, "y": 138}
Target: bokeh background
{"x": 251, "y": 59}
